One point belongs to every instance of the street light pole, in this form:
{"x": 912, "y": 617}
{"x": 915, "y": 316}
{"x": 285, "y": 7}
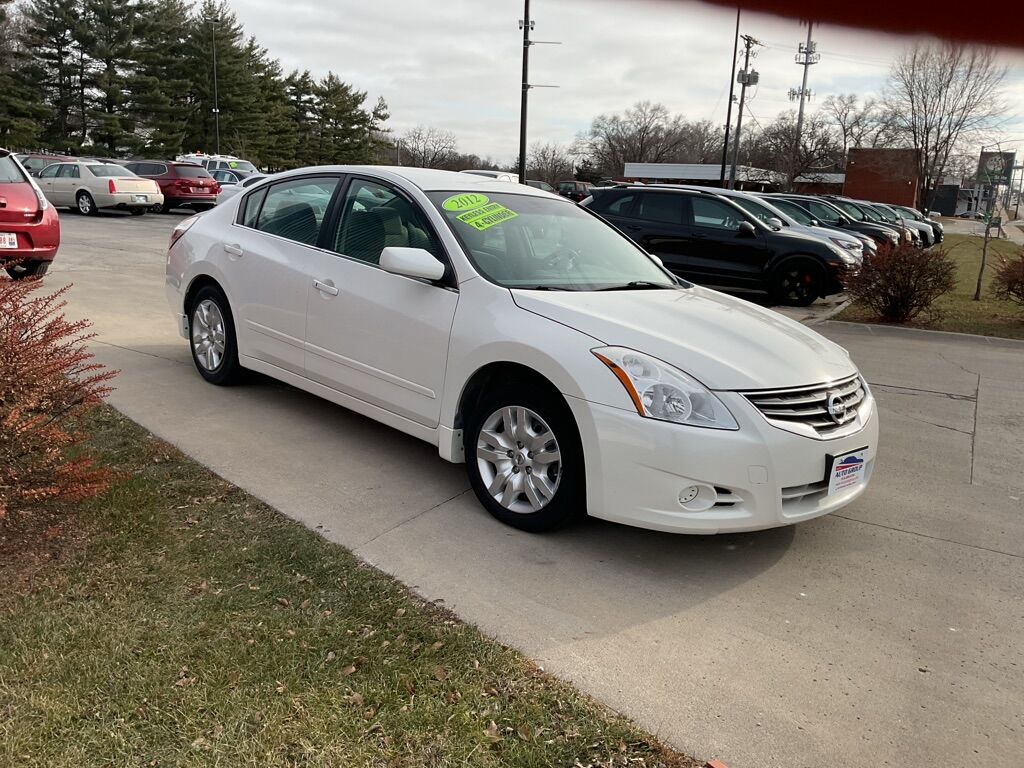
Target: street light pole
{"x": 746, "y": 77}
{"x": 216, "y": 101}
{"x": 728, "y": 110}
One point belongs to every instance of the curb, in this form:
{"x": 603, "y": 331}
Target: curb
{"x": 874, "y": 329}
{"x": 827, "y": 316}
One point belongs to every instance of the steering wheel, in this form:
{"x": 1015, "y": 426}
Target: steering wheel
{"x": 563, "y": 254}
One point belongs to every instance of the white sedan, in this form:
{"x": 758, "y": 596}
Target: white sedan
{"x": 88, "y": 186}
{"x": 524, "y": 336}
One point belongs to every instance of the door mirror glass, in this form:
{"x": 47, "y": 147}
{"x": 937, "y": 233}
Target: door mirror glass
{"x": 411, "y": 262}
{"x": 746, "y": 229}
{"x": 774, "y": 222}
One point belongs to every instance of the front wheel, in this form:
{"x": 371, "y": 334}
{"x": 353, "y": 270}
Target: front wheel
{"x": 212, "y": 337}
{"x": 138, "y": 211}
{"x": 797, "y": 282}
{"x": 525, "y": 460}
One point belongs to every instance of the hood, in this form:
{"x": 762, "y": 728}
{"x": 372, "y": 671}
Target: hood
{"x": 724, "y": 342}
{"x": 838, "y": 234}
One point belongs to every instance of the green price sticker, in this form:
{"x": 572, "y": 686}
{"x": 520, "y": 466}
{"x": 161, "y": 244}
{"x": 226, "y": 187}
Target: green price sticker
{"x": 487, "y": 216}
{"x": 467, "y": 201}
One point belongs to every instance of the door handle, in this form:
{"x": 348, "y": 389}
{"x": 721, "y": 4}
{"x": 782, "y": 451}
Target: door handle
{"x": 325, "y": 287}
{"x": 233, "y": 249}
{"x": 698, "y": 236}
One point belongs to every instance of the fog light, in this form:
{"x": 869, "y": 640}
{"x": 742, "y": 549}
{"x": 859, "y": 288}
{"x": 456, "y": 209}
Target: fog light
{"x": 697, "y": 498}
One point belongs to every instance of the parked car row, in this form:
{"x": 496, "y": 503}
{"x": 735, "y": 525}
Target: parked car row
{"x": 794, "y": 248}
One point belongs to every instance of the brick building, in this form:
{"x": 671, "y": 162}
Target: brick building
{"x": 883, "y": 175}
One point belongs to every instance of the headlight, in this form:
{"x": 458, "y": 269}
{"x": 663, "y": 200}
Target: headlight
{"x": 908, "y": 235}
{"x": 893, "y": 238}
{"x": 659, "y": 391}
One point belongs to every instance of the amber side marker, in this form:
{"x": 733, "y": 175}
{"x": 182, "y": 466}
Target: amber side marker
{"x": 624, "y": 378}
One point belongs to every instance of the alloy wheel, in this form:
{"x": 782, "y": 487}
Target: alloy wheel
{"x": 208, "y": 335}
{"x": 84, "y": 205}
{"x": 519, "y": 459}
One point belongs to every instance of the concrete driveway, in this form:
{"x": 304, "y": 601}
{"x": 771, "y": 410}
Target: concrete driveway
{"x": 889, "y": 634}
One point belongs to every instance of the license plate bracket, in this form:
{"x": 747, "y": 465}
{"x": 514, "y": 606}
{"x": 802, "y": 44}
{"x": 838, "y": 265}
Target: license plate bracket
{"x": 8, "y": 240}
{"x": 846, "y": 471}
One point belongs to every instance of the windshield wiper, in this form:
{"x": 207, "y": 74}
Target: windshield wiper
{"x": 539, "y": 288}
{"x": 635, "y": 285}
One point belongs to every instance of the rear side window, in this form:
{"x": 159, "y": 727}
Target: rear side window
{"x": 295, "y": 209}
{"x": 794, "y": 211}
{"x": 68, "y": 172}
{"x": 251, "y": 210}
{"x": 823, "y": 212}
{"x": 9, "y": 171}
{"x": 661, "y": 206}
{"x": 191, "y": 172}
{"x": 756, "y": 209}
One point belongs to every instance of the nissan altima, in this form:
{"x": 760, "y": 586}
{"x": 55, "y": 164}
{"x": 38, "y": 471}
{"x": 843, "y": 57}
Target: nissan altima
{"x": 529, "y": 339}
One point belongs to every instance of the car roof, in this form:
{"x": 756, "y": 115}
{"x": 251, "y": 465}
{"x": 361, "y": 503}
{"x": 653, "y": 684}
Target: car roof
{"x": 426, "y": 179}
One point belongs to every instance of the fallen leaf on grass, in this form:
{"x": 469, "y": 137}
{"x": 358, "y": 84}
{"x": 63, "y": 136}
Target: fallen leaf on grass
{"x": 440, "y": 674}
{"x": 491, "y": 731}
{"x": 331, "y": 656}
{"x": 356, "y": 699}
{"x": 524, "y": 733}
{"x": 350, "y": 669}
{"x": 284, "y": 601}
{"x": 233, "y": 677}
{"x": 400, "y": 613}
{"x": 281, "y": 687}
{"x": 437, "y": 646}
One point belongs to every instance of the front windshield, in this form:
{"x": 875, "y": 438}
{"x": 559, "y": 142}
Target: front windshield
{"x": 241, "y": 165}
{"x": 851, "y": 210}
{"x": 795, "y": 212}
{"x": 523, "y": 241}
{"x": 103, "y": 171}
{"x": 887, "y": 213}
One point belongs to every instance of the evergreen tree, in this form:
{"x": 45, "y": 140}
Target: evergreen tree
{"x": 106, "y": 38}
{"x": 344, "y": 128}
{"x": 302, "y": 101}
{"x": 22, "y": 103}
{"x": 160, "y": 85}
{"x": 50, "y": 35}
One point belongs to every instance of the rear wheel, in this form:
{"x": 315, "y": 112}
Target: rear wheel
{"x": 212, "y": 337}
{"x": 85, "y": 204}
{"x": 524, "y": 458}
{"x": 797, "y": 282}
{"x": 28, "y": 269}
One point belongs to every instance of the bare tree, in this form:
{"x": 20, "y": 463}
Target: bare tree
{"x": 644, "y": 133}
{"x": 428, "y": 147}
{"x": 549, "y": 162}
{"x": 940, "y": 94}
{"x": 771, "y": 147}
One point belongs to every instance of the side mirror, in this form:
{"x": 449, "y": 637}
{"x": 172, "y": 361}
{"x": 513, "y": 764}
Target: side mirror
{"x": 815, "y": 223}
{"x": 775, "y": 223}
{"x": 411, "y": 262}
{"x": 747, "y": 229}
{"x": 657, "y": 260}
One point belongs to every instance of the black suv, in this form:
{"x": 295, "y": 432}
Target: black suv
{"x": 827, "y": 213}
{"x": 710, "y": 240}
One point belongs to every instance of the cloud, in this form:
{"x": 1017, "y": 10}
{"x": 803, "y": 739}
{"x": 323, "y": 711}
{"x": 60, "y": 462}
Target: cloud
{"x": 456, "y": 64}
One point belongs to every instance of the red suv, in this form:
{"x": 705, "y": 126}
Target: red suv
{"x": 184, "y": 185}
{"x": 29, "y": 229}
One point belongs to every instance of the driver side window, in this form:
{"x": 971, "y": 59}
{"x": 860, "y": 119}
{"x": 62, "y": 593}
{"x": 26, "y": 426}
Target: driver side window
{"x": 714, "y": 214}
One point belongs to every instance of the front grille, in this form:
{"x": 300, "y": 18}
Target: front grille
{"x": 805, "y": 410}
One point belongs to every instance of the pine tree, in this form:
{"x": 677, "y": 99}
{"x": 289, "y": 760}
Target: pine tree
{"x": 22, "y": 103}
{"x": 159, "y": 87}
{"x": 344, "y": 128}
{"x": 300, "y": 89}
{"x": 50, "y": 35}
{"x": 106, "y": 37}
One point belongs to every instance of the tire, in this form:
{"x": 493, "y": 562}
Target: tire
{"x": 138, "y": 211}
{"x": 797, "y": 282}
{"x": 547, "y": 484}
{"x": 28, "y": 269}
{"x": 211, "y": 328}
{"x": 84, "y": 204}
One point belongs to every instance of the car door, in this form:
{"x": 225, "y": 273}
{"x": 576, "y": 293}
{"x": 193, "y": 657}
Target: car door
{"x": 379, "y": 337}
{"x": 721, "y": 252}
{"x": 657, "y": 221}
{"x": 65, "y": 184}
{"x": 266, "y": 259}
{"x": 46, "y": 179}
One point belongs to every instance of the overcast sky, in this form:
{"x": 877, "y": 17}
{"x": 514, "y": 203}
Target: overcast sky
{"x": 456, "y": 64}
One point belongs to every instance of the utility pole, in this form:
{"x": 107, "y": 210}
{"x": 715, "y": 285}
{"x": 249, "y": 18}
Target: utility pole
{"x": 744, "y": 78}
{"x": 216, "y": 102}
{"x": 807, "y": 56}
{"x": 526, "y": 25}
{"x": 728, "y": 111}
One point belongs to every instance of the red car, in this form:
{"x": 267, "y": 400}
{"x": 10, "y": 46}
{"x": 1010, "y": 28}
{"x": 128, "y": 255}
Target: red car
{"x": 29, "y": 229}
{"x": 184, "y": 185}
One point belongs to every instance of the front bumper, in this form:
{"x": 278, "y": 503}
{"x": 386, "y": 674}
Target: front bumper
{"x": 750, "y": 479}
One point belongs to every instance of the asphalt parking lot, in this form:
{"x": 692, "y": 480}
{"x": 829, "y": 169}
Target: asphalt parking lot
{"x": 888, "y": 634}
